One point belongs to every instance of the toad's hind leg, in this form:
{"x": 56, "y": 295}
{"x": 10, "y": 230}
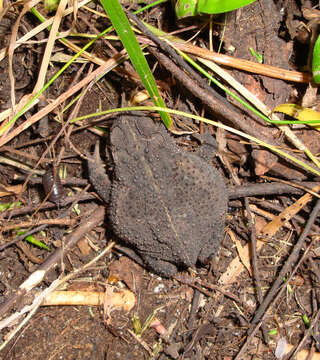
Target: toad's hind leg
{"x": 212, "y": 249}
{"x": 208, "y": 146}
{"x": 160, "y": 267}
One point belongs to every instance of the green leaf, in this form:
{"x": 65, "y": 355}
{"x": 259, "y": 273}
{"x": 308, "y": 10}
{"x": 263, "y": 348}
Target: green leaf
{"x": 51, "y": 5}
{"x": 221, "y": 6}
{"x": 32, "y": 240}
{"x": 186, "y": 8}
{"x": 129, "y": 41}
{"x": 6, "y": 206}
{"x": 136, "y": 323}
{"x": 273, "y": 332}
{"x": 306, "y": 321}
{"x": 258, "y": 56}
{"x": 316, "y": 61}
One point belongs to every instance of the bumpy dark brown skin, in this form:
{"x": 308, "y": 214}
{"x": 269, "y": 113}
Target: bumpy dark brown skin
{"x": 169, "y": 205}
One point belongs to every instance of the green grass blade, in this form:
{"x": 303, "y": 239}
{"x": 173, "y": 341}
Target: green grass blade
{"x": 316, "y": 61}
{"x": 122, "y": 26}
{"x": 32, "y": 240}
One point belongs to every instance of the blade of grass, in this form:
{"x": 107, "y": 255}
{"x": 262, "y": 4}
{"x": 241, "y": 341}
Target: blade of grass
{"x": 121, "y": 24}
{"x": 49, "y": 46}
{"x": 32, "y": 240}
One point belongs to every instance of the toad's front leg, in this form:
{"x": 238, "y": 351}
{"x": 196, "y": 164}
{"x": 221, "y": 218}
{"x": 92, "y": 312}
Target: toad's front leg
{"x": 98, "y": 177}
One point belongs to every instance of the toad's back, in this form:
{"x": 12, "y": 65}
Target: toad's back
{"x": 168, "y": 204}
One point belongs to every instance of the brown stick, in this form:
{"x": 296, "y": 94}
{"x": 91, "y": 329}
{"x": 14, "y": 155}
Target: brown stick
{"x": 245, "y": 65}
{"x": 123, "y": 299}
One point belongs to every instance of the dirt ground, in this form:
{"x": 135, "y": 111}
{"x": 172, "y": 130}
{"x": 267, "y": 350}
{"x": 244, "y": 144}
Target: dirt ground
{"x": 259, "y": 297}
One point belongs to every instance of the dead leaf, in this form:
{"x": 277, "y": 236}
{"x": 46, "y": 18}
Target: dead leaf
{"x": 236, "y": 267}
{"x": 271, "y": 228}
{"x": 127, "y": 271}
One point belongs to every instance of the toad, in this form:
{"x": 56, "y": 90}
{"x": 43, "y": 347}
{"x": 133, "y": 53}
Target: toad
{"x": 167, "y": 204}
